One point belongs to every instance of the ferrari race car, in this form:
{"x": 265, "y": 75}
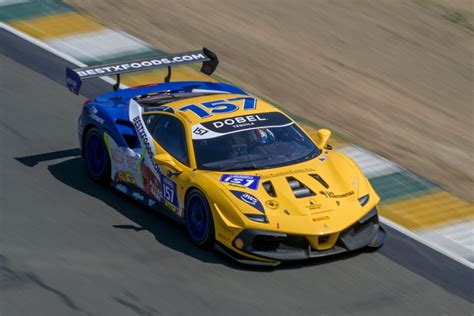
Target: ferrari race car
{"x": 241, "y": 175}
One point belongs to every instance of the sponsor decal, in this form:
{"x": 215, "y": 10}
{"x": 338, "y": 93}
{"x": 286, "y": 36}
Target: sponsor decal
{"x": 151, "y": 202}
{"x": 121, "y": 188}
{"x": 247, "y": 181}
{"x": 273, "y": 204}
{"x": 323, "y": 156}
{"x": 171, "y": 206}
{"x": 137, "y": 196}
{"x": 289, "y": 172}
{"x": 321, "y": 218}
{"x": 169, "y": 191}
{"x": 151, "y": 184}
{"x": 199, "y": 131}
{"x": 249, "y": 199}
{"x": 93, "y": 115}
{"x": 313, "y": 205}
{"x": 138, "y": 123}
{"x": 124, "y": 163}
{"x": 125, "y": 177}
{"x": 140, "y": 64}
{"x": 333, "y": 195}
{"x": 235, "y": 124}
{"x": 120, "y": 155}
{"x": 239, "y": 121}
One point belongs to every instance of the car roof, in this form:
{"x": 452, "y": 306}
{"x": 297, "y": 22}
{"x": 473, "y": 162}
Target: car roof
{"x": 261, "y": 106}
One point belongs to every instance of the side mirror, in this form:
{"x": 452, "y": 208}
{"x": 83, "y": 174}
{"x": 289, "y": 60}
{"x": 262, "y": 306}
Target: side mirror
{"x": 323, "y": 137}
{"x": 167, "y": 161}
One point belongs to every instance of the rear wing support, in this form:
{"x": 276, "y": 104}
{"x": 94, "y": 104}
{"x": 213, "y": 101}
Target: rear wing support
{"x": 116, "y": 86}
{"x": 74, "y": 77}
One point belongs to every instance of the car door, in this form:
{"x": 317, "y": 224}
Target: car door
{"x": 169, "y": 133}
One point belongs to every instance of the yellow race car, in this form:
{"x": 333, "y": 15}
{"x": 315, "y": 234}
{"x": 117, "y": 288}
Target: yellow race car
{"x": 239, "y": 173}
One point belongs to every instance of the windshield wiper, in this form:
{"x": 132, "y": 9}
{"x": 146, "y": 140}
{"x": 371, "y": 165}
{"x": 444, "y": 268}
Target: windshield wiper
{"x": 233, "y": 168}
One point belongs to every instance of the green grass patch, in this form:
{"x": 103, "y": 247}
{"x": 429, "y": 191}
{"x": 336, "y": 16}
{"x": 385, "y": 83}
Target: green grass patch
{"x": 462, "y": 18}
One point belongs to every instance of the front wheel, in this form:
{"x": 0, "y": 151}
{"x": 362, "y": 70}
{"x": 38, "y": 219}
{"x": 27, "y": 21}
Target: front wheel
{"x": 199, "y": 222}
{"x": 97, "y": 157}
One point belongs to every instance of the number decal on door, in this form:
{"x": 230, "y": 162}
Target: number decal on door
{"x": 169, "y": 191}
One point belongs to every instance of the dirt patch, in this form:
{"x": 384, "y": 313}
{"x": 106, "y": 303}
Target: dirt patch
{"x": 396, "y": 76}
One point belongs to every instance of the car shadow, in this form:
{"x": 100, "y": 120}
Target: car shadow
{"x": 72, "y": 172}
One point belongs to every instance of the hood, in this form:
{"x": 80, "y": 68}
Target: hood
{"x": 331, "y": 182}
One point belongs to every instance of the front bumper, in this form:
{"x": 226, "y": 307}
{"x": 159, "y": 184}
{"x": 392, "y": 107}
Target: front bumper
{"x": 274, "y": 247}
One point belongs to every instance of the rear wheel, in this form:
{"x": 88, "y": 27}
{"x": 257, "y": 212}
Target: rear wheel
{"x": 97, "y": 157}
{"x": 199, "y": 222}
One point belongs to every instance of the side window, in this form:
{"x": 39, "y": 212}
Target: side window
{"x": 169, "y": 132}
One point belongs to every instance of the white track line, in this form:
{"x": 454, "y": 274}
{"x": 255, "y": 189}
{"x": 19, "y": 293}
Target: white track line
{"x": 385, "y": 221}
{"x": 426, "y": 242}
{"x": 10, "y": 2}
{"x": 371, "y": 164}
{"x": 97, "y": 45}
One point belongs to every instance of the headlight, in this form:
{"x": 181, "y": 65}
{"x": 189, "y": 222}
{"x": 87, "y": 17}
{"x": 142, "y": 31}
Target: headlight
{"x": 257, "y": 218}
{"x": 363, "y": 200}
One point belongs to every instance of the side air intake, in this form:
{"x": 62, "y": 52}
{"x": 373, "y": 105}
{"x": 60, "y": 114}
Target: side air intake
{"x": 268, "y": 186}
{"x": 127, "y": 131}
{"x": 299, "y": 189}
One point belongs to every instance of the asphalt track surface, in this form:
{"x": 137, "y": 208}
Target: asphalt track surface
{"x": 69, "y": 246}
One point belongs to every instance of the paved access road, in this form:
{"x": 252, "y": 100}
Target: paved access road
{"x": 69, "y": 246}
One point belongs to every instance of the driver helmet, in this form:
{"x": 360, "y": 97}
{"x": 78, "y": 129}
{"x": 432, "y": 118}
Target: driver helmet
{"x": 264, "y": 136}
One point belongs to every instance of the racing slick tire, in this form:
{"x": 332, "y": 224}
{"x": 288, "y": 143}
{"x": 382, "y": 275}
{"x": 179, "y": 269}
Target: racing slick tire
{"x": 97, "y": 157}
{"x": 199, "y": 222}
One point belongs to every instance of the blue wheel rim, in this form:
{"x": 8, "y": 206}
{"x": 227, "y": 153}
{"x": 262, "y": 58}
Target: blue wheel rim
{"x": 198, "y": 219}
{"x": 95, "y": 155}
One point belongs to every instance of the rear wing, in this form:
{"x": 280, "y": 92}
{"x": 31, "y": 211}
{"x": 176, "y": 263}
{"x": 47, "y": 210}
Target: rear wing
{"x": 208, "y": 59}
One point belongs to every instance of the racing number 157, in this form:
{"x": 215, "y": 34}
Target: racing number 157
{"x": 244, "y": 182}
{"x": 220, "y": 106}
{"x": 168, "y": 193}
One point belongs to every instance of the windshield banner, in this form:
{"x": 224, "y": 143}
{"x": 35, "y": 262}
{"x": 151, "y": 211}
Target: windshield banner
{"x": 235, "y": 124}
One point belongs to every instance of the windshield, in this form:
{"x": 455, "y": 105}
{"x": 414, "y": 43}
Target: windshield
{"x": 266, "y": 140}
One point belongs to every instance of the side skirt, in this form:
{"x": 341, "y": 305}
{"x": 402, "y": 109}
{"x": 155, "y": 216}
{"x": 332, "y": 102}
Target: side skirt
{"x": 140, "y": 196}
